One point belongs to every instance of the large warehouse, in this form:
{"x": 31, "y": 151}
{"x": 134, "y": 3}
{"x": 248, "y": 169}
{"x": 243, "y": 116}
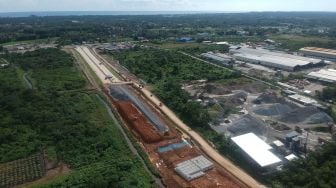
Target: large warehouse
{"x": 319, "y": 52}
{"x": 325, "y": 75}
{"x": 256, "y": 149}
{"x": 276, "y": 60}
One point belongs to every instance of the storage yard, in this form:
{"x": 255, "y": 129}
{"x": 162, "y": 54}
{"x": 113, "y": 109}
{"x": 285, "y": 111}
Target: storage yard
{"x": 252, "y": 115}
{"x": 158, "y": 136}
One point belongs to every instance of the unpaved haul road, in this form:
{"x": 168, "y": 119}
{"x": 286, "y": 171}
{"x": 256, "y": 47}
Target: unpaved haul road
{"x": 211, "y": 152}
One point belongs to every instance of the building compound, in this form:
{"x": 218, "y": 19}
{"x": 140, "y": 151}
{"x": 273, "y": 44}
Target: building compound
{"x": 277, "y": 60}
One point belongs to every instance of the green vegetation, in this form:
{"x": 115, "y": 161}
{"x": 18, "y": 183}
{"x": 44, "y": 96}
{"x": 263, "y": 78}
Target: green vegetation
{"x": 156, "y": 66}
{"x": 193, "y": 48}
{"x": 329, "y": 94}
{"x": 60, "y": 116}
{"x": 317, "y": 170}
{"x": 295, "y": 42}
{"x": 20, "y": 171}
{"x": 165, "y": 70}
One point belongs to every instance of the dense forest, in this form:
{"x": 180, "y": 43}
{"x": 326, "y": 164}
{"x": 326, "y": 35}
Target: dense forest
{"x": 228, "y": 27}
{"x": 317, "y": 170}
{"x": 59, "y": 116}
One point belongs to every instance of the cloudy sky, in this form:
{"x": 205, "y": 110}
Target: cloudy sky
{"x": 167, "y": 5}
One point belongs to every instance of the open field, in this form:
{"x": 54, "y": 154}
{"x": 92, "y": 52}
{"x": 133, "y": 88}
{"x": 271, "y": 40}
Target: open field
{"x": 295, "y": 42}
{"x": 28, "y": 41}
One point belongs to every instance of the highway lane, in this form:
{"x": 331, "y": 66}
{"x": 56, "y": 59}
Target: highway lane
{"x": 98, "y": 68}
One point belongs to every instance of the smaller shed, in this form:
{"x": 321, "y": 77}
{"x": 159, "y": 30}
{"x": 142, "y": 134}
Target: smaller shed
{"x": 194, "y": 168}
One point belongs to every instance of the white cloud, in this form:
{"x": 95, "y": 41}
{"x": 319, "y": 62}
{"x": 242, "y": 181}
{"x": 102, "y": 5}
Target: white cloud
{"x": 165, "y": 5}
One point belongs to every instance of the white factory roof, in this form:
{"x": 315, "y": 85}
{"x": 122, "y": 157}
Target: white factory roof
{"x": 303, "y": 99}
{"x": 257, "y": 149}
{"x": 328, "y": 75}
{"x": 280, "y": 58}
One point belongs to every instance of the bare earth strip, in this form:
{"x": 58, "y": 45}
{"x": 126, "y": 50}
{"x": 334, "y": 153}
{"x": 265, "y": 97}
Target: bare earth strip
{"x": 211, "y": 152}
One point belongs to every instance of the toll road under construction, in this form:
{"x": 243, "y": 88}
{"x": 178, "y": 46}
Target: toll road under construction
{"x": 166, "y": 143}
{"x": 123, "y": 93}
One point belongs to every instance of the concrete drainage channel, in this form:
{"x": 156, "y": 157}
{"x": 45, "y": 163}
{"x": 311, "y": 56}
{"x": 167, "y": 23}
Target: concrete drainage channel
{"x": 157, "y": 180}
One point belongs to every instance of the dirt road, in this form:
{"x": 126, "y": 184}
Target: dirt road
{"x": 211, "y": 152}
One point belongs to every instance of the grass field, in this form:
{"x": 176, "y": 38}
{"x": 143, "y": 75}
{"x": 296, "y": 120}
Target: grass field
{"x": 295, "y": 42}
{"x": 29, "y": 41}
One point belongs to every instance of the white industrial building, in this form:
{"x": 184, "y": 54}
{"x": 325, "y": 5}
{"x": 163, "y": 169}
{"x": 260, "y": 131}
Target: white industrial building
{"x": 303, "y": 99}
{"x": 257, "y": 149}
{"x": 276, "y": 60}
{"x": 325, "y": 75}
{"x": 194, "y": 168}
{"x": 319, "y": 52}
{"x": 219, "y": 57}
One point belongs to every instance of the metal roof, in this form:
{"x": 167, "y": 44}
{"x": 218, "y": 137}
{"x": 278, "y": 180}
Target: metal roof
{"x": 328, "y": 75}
{"x": 303, "y": 99}
{"x": 257, "y": 149}
{"x": 202, "y": 162}
{"x": 277, "y": 58}
{"x": 193, "y": 168}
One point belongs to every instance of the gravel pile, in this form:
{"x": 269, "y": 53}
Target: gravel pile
{"x": 319, "y": 118}
{"x": 309, "y": 114}
{"x": 272, "y": 110}
{"x": 268, "y": 98}
{"x": 247, "y": 124}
